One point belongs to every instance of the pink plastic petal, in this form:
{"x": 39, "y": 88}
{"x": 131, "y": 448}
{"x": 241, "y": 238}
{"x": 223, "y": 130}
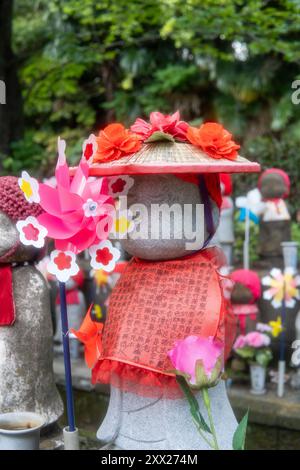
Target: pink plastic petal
{"x": 56, "y": 227}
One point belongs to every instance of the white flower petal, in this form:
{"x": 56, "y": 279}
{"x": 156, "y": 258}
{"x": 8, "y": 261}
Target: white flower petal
{"x": 266, "y": 281}
{"x": 110, "y": 264}
{"x": 42, "y": 232}
{"x": 33, "y": 184}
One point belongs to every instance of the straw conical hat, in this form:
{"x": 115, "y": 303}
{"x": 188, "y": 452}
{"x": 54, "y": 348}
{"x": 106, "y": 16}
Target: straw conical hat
{"x": 171, "y": 157}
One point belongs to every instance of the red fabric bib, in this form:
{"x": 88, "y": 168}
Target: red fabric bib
{"x": 7, "y": 306}
{"x": 153, "y": 305}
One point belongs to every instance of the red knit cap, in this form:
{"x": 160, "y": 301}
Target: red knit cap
{"x": 13, "y": 202}
{"x": 279, "y": 172}
{"x": 249, "y": 279}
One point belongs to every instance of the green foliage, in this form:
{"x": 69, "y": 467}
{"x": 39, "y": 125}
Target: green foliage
{"x": 296, "y": 233}
{"x": 261, "y": 356}
{"x": 85, "y": 63}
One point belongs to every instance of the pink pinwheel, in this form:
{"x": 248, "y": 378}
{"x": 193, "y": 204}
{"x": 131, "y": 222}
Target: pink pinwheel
{"x": 79, "y": 212}
{"x": 160, "y": 123}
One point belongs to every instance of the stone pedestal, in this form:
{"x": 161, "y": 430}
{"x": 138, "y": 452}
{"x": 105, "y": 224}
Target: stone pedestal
{"x": 137, "y": 423}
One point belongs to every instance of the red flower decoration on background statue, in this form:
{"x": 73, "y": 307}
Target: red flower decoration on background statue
{"x": 115, "y": 142}
{"x": 214, "y": 140}
{"x": 168, "y": 124}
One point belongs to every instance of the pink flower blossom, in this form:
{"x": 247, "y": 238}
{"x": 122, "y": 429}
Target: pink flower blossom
{"x": 169, "y": 124}
{"x": 198, "y": 352}
{"x": 257, "y": 339}
{"x": 240, "y": 342}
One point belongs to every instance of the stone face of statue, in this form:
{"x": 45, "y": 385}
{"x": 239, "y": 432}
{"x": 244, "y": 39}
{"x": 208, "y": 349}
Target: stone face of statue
{"x": 171, "y": 218}
{"x": 241, "y": 294}
{"x": 273, "y": 186}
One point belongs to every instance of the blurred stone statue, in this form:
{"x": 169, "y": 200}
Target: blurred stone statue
{"x": 224, "y": 236}
{"x": 275, "y": 223}
{"x": 27, "y": 381}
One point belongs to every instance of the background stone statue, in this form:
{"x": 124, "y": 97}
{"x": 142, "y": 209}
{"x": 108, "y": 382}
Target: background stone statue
{"x": 275, "y": 223}
{"x": 27, "y": 381}
{"x": 224, "y": 236}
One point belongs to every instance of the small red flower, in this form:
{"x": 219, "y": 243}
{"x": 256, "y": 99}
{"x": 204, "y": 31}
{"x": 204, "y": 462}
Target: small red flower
{"x": 89, "y": 150}
{"x": 118, "y": 185}
{"x": 104, "y": 256}
{"x": 114, "y": 142}
{"x": 63, "y": 261}
{"x": 214, "y": 140}
{"x": 31, "y": 232}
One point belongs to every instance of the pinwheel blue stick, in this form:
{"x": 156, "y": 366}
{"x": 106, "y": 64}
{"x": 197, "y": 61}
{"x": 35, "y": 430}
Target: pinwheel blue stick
{"x": 67, "y": 359}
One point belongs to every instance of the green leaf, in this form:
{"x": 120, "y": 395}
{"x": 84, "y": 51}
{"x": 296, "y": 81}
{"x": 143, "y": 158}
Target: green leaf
{"x": 194, "y": 405}
{"x": 239, "y": 437}
{"x": 160, "y": 137}
{"x": 246, "y": 353}
{"x": 263, "y": 356}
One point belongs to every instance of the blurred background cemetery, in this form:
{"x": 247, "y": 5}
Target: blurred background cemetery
{"x": 71, "y": 67}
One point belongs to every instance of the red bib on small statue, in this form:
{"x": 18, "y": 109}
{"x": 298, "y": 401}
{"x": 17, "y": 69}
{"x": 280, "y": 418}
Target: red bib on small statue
{"x": 153, "y": 305}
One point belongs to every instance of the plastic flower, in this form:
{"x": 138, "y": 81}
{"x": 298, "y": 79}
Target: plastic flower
{"x": 30, "y": 187}
{"x": 89, "y": 148}
{"x": 214, "y": 140}
{"x": 282, "y": 286}
{"x": 89, "y": 334}
{"x": 122, "y": 224}
{"x": 161, "y": 123}
{"x": 104, "y": 256}
{"x": 31, "y": 232}
{"x": 257, "y": 339}
{"x": 114, "y": 142}
{"x": 91, "y": 208}
{"x": 101, "y": 277}
{"x": 199, "y": 360}
{"x": 119, "y": 185}
{"x": 79, "y": 212}
{"x": 276, "y": 327}
{"x": 251, "y": 202}
{"x": 240, "y": 342}
{"x": 263, "y": 327}
{"x": 62, "y": 265}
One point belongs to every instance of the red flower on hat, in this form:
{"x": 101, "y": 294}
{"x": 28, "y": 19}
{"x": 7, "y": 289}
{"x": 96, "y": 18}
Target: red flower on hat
{"x": 214, "y": 140}
{"x": 168, "y": 124}
{"x": 114, "y": 142}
